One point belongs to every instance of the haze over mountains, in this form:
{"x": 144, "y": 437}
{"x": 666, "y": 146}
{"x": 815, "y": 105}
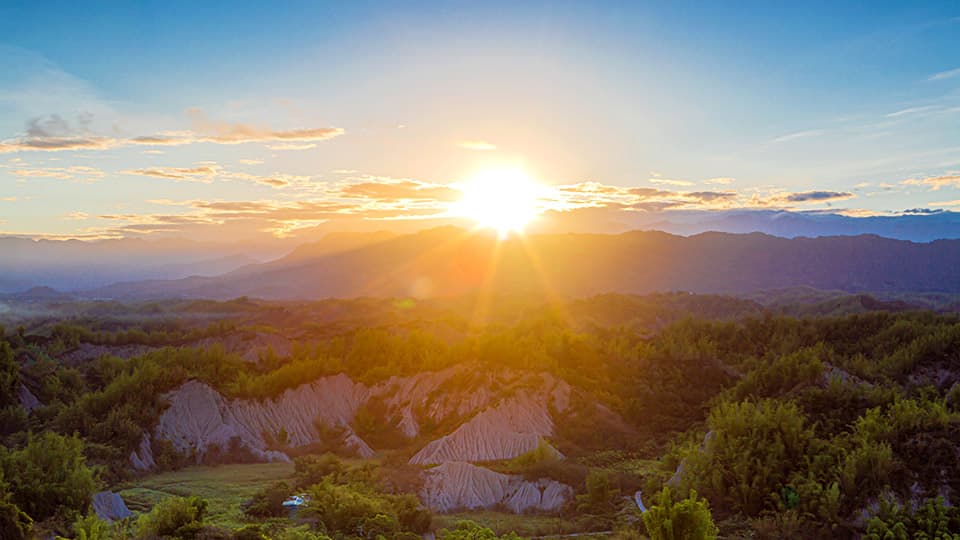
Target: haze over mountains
{"x": 75, "y": 265}
{"x": 447, "y": 262}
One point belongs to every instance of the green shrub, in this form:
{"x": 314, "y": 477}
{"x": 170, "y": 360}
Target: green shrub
{"x": 601, "y": 495}
{"x": 931, "y": 521}
{"x": 178, "y": 518}
{"x": 268, "y": 502}
{"x": 49, "y": 475}
{"x": 14, "y": 523}
{"x": 686, "y": 519}
{"x": 754, "y": 449}
{"x": 468, "y": 530}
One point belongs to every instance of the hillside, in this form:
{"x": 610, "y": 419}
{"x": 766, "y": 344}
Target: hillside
{"x": 450, "y": 262}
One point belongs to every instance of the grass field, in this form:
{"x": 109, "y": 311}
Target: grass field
{"x": 224, "y": 487}
{"x": 527, "y": 525}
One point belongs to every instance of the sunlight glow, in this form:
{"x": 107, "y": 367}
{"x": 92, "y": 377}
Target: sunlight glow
{"x": 502, "y": 199}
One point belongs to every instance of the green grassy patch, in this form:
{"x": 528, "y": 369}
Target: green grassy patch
{"x": 224, "y": 487}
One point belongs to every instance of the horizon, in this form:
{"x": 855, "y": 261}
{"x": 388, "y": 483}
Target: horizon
{"x": 368, "y": 117}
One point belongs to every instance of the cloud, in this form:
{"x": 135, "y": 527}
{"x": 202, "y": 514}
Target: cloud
{"x": 910, "y": 110}
{"x": 229, "y": 133}
{"x": 923, "y": 211}
{"x": 818, "y": 196}
{"x": 711, "y": 196}
{"x": 390, "y": 189}
{"x": 799, "y": 135}
{"x": 949, "y": 74}
{"x": 277, "y": 180}
{"x": 476, "y": 145}
{"x": 955, "y": 202}
{"x": 649, "y": 193}
{"x": 54, "y": 133}
{"x": 723, "y": 181}
{"x": 251, "y": 161}
{"x": 207, "y": 172}
{"x": 81, "y": 172}
{"x": 204, "y": 173}
{"x": 669, "y": 182}
{"x": 290, "y": 146}
{"x": 54, "y": 144}
{"x": 935, "y": 182}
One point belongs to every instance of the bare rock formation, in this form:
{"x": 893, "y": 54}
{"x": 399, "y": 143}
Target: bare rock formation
{"x": 142, "y": 457}
{"x": 457, "y": 485}
{"x": 27, "y": 400}
{"x": 516, "y": 425}
{"x": 199, "y": 418}
{"x": 110, "y": 507}
{"x": 504, "y": 414}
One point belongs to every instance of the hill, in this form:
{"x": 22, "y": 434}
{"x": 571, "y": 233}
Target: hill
{"x": 448, "y": 262}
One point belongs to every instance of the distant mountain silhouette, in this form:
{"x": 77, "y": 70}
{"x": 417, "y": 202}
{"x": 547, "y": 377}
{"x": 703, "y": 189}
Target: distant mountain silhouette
{"x": 450, "y": 262}
{"x": 76, "y": 264}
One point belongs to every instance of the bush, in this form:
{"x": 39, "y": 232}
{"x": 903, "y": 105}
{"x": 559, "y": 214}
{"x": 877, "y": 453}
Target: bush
{"x": 180, "y": 518}
{"x": 49, "y": 474}
{"x": 601, "y": 495}
{"x": 14, "y": 523}
{"x": 355, "y": 509}
{"x": 468, "y": 530}
{"x": 686, "y": 519}
{"x": 931, "y": 521}
{"x": 754, "y": 449}
{"x": 268, "y": 502}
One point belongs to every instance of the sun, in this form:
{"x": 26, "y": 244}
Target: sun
{"x": 502, "y": 199}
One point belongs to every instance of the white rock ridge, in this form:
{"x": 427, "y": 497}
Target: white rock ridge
{"x": 516, "y": 425}
{"x": 456, "y": 485}
{"x": 199, "y": 418}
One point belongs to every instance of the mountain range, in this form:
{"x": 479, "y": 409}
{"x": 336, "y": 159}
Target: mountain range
{"x": 448, "y": 261}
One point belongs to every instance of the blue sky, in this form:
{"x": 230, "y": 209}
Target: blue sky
{"x": 843, "y": 106}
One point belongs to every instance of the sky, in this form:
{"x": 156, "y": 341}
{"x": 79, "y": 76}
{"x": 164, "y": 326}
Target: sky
{"x": 240, "y": 119}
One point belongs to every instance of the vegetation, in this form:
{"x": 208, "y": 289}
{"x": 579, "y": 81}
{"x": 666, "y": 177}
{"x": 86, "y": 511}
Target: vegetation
{"x": 686, "y": 519}
{"x": 760, "y": 425}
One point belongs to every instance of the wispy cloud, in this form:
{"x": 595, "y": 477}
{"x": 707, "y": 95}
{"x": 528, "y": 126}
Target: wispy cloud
{"x": 392, "y": 189}
{"x": 911, "y": 110}
{"x": 722, "y": 181}
{"x": 75, "y": 172}
{"x": 204, "y": 174}
{"x": 476, "y": 145}
{"x": 949, "y": 74}
{"x": 935, "y": 182}
{"x": 818, "y": 196}
{"x": 55, "y": 134}
{"x": 669, "y": 182}
{"x": 799, "y": 135}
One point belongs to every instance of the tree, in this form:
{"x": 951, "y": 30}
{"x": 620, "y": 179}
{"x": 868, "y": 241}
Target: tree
{"x": 601, "y": 496}
{"x": 468, "y": 530}
{"x": 50, "y": 473}
{"x": 268, "y": 502}
{"x": 686, "y": 519}
{"x": 9, "y": 376}
{"x": 177, "y": 517}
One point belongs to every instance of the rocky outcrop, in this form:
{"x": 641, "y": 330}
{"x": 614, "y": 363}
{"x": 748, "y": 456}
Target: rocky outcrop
{"x": 27, "y": 400}
{"x": 514, "y": 426}
{"x": 457, "y": 485}
{"x": 199, "y": 418}
{"x": 142, "y": 457}
{"x": 505, "y": 414}
{"x": 110, "y": 507}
